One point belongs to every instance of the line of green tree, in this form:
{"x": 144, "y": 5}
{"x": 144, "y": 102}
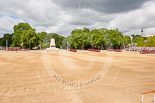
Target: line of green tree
{"x": 96, "y": 38}
{"x": 26, "y": 35}
{"x": 143, "y": 41}
{"x": 79, "y": 38}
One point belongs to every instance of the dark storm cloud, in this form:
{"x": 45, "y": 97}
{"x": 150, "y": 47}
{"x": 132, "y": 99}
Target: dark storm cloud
{"x": 105, "y": 6}
{"x": 80, "y": 23}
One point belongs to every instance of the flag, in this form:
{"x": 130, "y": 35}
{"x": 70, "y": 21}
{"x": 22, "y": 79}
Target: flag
{"x": 21, "y": 44}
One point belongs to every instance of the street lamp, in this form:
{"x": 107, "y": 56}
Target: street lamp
{"x": 131, "y": 40}
{"x": 67, "y": 45}
{"x": 6, "y": 44}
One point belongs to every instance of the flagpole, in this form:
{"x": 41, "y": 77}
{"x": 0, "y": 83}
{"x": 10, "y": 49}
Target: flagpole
{"x": 40, "y": 45}
{"x": 6, "y": 44}
{"x": 22, "y": 45}
{"x": 67, "y": 45}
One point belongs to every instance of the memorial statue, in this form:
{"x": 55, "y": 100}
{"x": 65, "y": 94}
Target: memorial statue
{"x": 52, "y": 45}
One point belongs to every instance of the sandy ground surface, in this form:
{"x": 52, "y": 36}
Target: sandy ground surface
{"x": 30, "y": 77}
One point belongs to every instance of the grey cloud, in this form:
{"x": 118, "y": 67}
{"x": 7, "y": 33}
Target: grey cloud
{"x": 79, "y": 23}
{"x": 62, "y": 16}
{"x": 105, "y": 6}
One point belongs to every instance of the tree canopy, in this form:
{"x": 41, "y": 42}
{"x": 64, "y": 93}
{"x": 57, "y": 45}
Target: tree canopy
{"x": 24, "y": 33}
{"x": 7, "y": 37}
{"x": 126, "y": 40}
{"x": 79, "y": 38}
{"x": 96, "y": 38}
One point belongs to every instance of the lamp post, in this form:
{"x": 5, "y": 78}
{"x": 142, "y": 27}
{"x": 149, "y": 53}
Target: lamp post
{"x": 131, "y": 40}
{"x": 6, "y": 44}
{"x": 40, "y": 45}
{"x": 67, "y": 45}
{"x": 101, "y": 46}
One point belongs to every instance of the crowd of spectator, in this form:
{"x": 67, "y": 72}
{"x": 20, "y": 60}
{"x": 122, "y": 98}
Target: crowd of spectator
{"x": 140, "y": 49}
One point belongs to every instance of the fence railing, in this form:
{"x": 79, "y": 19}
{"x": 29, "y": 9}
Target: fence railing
{"x": 148, "y": 93}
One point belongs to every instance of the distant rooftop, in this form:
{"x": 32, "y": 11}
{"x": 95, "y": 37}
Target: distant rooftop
{"x": 150, "y": 35}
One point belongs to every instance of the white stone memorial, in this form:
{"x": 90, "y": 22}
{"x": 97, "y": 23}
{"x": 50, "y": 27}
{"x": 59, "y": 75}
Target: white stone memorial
{"x": 52, "y": 45}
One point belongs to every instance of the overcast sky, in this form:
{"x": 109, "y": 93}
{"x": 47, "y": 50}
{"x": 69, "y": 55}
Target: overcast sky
{"x": 62, "y": 16}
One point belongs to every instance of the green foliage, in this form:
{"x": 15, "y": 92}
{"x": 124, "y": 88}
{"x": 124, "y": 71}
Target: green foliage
{"x": 7, "y": 37}
{"x": 79, "y": 38}
{"x": 1, "y": 41}
{"x": 138, "y": 39}
{"x": 41, "y": 36}
{"x": 97, "y": 38}
{"x": 151, "y": 42}
{"x": 106, "y": 41}
{"x": 126, "y": 40}
{"x": 116, "y": 38}
{"x": 20, "y": 31}
{"x": 23, "y": 33}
